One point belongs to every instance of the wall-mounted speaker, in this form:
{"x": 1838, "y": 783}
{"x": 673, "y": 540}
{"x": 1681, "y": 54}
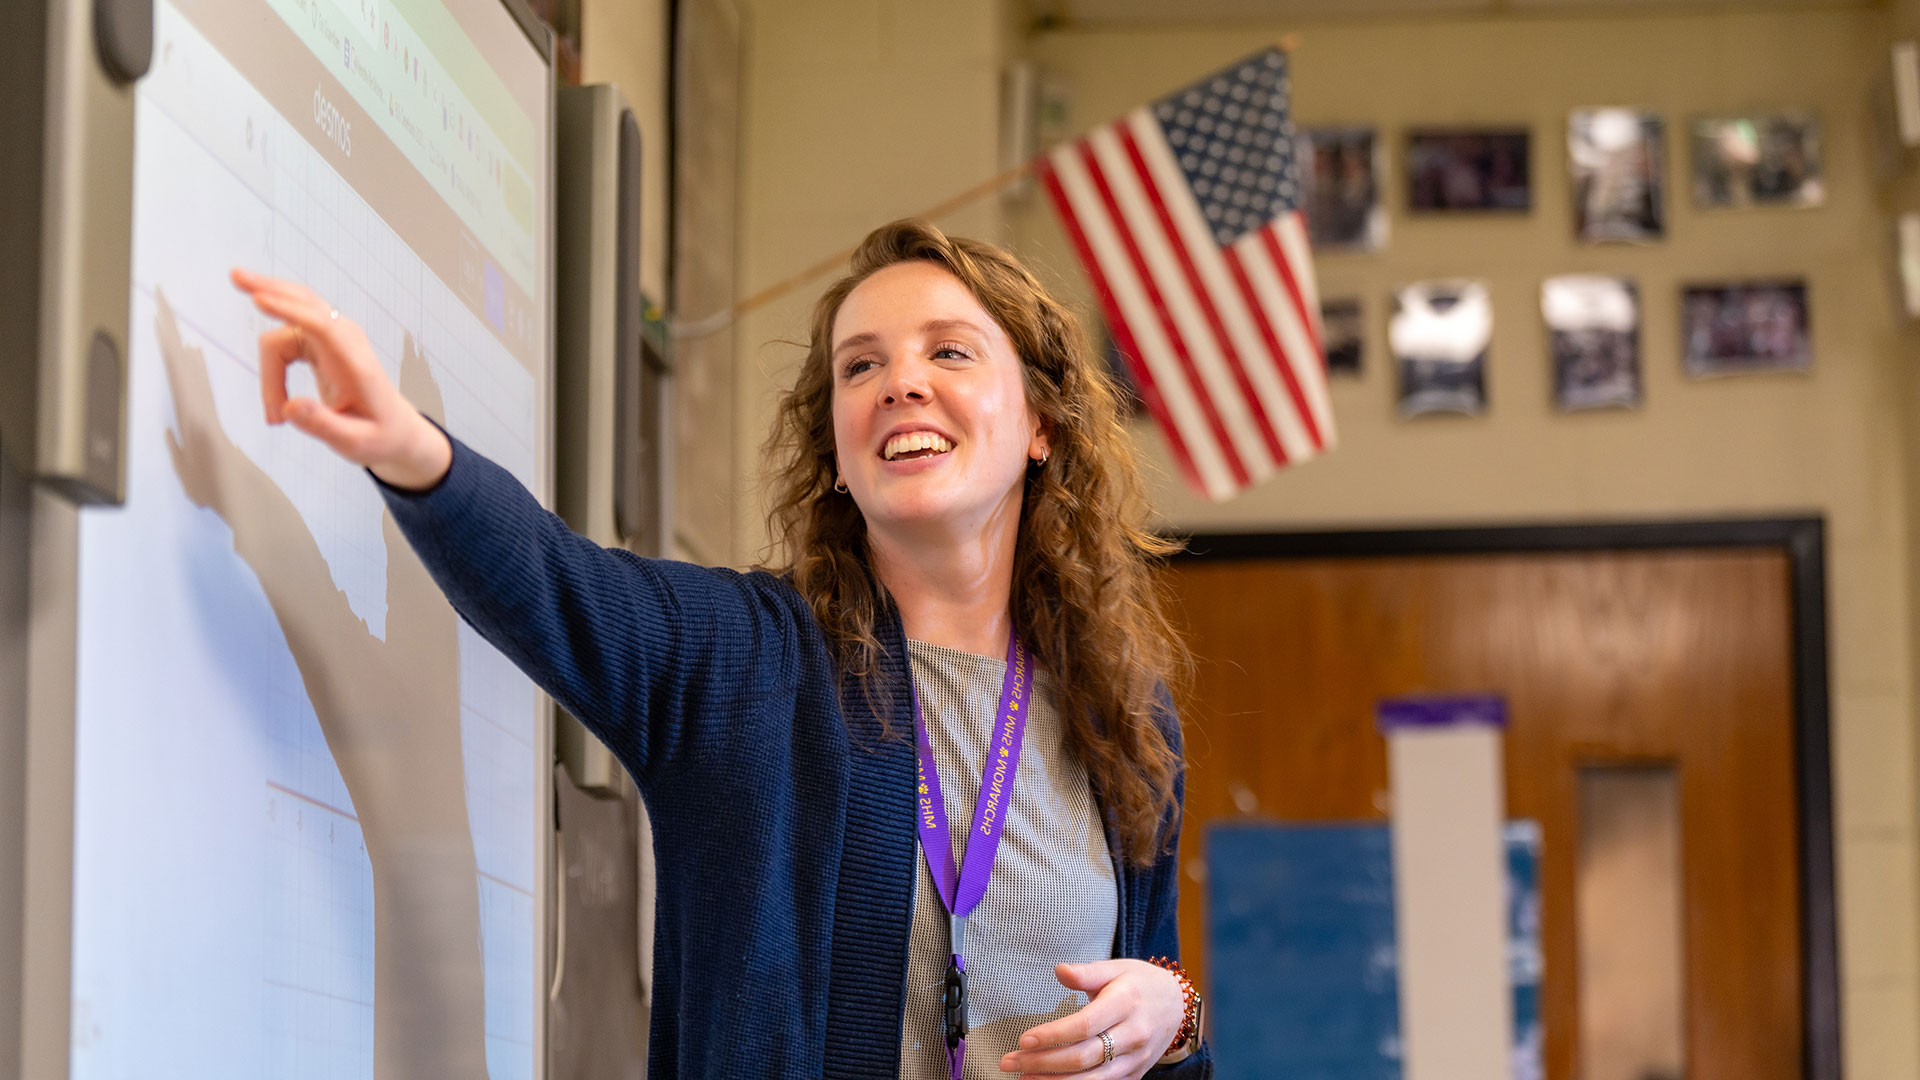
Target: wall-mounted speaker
{"x": 67, "y": 69}
{"x": 611, "y": 479}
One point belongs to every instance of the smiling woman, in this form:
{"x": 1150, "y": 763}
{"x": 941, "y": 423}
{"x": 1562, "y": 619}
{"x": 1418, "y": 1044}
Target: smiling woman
{"x": 954, "y": 336}
{"x": 959, "y": 515}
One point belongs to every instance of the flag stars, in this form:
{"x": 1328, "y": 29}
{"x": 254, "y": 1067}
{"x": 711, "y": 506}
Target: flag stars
{"x": 1230, "y": 138}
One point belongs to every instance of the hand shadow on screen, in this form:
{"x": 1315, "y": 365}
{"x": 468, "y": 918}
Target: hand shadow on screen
{"x": 390, "y": 711}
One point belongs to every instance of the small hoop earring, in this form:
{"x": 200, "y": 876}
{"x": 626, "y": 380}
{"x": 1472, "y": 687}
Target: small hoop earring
{"x": 840, "y": 484}
{"x": 1043, "y": 459}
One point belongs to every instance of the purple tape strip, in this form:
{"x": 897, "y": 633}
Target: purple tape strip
{"x": 1393, "y": 714}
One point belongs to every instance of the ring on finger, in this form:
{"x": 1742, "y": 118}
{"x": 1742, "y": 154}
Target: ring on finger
{"x": 1106, "y": 1048}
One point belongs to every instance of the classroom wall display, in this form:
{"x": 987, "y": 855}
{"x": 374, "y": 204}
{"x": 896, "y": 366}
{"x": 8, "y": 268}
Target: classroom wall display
{"x": 1439, "y": 335}
{"x": 1744, "y": 327}
{"x": 1343, "y": 189}
{"x": 1757, "y": 159}
{"x": 1469, "y": 169}
{"x": 1616, "y": 163}
{"x": 1340, "y": 335}
{"x": 1593, "y": 328}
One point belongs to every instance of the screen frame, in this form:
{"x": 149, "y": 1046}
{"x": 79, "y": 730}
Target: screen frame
{"x": 542, "y": 38}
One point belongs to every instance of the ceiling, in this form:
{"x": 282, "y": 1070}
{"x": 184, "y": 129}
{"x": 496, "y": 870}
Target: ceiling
{"x": 1096, "y": 13}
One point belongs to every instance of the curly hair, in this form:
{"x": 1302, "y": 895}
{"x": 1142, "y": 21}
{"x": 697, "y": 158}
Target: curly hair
{"x": 1084, "y": 596}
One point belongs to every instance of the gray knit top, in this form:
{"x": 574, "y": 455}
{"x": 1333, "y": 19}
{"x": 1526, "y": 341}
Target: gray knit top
{"x": 1052, "y": 896}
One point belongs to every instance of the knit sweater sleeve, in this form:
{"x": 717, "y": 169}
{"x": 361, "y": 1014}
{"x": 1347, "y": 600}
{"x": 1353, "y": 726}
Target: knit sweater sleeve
{"x": 642, "y": 651}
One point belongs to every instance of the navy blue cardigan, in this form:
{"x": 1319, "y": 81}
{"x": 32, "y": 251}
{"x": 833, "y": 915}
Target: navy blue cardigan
{"x": 783, "y": 821}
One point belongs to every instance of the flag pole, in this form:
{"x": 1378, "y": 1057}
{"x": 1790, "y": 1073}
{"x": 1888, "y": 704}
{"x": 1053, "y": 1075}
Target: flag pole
{"x": 719, "y": 320}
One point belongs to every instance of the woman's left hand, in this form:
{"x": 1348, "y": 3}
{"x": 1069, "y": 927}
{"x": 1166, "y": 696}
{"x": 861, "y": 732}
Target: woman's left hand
{"x": 1139, "y": 1006}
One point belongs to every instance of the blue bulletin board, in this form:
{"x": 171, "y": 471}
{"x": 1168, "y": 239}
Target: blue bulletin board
{"x": 1302, "y": 958}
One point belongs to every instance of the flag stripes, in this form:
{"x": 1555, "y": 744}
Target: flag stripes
{"x": 1222, "y": 337}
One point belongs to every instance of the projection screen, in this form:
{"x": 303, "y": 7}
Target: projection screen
{"x": 310, "y": 809}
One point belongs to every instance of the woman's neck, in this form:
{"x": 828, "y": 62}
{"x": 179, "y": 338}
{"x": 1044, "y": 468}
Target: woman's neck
{"x": 952, "y": 591}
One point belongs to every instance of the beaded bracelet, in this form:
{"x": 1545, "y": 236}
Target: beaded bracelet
{"x": 1187, "y": 1023}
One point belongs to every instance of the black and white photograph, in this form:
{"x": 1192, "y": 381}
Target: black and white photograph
{"x": 1340, "y": 333}
{"x": 1439, "y": 335}
{"x": 1343, "y": 189}
{"x": 1615, "y": 160}
{"x": 1757, "y": 159}
{"x": 1593, "y": 328}
{"x": 1736, "y": 328}
{"x": 1469, "y": 169}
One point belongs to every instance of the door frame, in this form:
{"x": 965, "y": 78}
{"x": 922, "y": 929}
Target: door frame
{"x": 1803, "y": 540}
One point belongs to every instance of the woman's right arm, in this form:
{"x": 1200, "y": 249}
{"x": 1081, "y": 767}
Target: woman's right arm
{"x": 643, "y": 651}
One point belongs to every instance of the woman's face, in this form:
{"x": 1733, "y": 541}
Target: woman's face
{"x": 930, "y": 420}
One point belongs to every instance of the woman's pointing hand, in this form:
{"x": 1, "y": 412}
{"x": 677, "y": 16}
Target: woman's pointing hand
{"x": 359, "y": 412}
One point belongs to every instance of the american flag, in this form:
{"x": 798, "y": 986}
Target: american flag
{"x": 1187, "y": 216}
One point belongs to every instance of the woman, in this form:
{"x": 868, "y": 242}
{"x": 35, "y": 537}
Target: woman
{"x": 952, "y": 485}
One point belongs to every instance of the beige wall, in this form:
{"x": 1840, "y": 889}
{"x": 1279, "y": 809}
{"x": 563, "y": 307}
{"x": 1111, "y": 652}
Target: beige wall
{"x": 1831, "y": 442}
{"x": 857, "y": 112}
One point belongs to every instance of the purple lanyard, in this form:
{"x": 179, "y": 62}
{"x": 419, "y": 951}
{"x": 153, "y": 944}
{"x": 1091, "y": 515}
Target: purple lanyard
{"x": 960, "y": 888}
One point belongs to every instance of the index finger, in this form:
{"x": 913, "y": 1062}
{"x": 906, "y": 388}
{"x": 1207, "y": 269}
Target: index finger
{"x": 319, "y": 322}
{"x": 257, "y": 285}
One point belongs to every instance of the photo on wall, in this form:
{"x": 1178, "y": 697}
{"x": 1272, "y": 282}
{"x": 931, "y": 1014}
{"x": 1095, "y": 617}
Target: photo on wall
{"x": 1340, "y": 335}
{"x": 1593, "y": 327}
{"x": 1469, "y": 169}
{"x": 1343, "y": 189}
{"x": 1745, "y": 327}
{"x": 1615, "y": 160}
{"x": 1439, "y": 334}
{"x": 1757, "y": 159}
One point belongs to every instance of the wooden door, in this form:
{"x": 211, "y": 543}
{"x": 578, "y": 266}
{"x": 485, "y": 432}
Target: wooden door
{"x": 1670, "y": 656}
